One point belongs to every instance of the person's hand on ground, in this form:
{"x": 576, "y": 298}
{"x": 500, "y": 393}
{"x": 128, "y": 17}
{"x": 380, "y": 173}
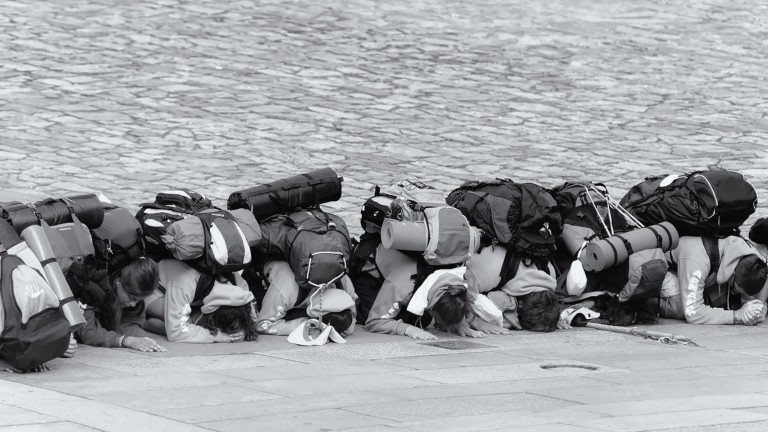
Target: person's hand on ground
{"x": 70, "y": 352}
{"x": 487, "y": 328}
{"x": 143, "y": 344}
{"x": 562, "y": 325}
{"x": 419, "y": 334}
{"x": 5, "y": 367}
{"x": 463, "y": 329}
{"x": 237, "y": 336}
{"x": 750, "y": 313}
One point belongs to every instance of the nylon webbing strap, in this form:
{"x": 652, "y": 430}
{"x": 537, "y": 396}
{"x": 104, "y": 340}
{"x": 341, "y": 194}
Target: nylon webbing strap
{"x": 658, "y": 236}
{"x": 627, "y": 245}
{"x": 48, "y": 261}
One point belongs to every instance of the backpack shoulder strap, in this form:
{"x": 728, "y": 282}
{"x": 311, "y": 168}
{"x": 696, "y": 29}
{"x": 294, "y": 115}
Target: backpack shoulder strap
{"x": 713, "y": 252}
{"x": 509, "y": 268}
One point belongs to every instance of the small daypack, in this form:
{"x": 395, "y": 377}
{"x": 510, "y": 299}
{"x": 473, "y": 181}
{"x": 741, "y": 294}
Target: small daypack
{"x": 525, "y": 217}
{"x": 288, "y": 195}
{"x": 703, "y": 203}
{"x": 33, "y": 330}
{"x": 118, "y": 240}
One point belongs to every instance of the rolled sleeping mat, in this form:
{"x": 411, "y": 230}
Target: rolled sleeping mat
{"x": 574, "y": 236}
{"x": 16, "y": 246}
{"x": 54, "y": 211}
{"x": 404, "y": 235}
{"x": 38, "y": 243}
{"x": 614, "y": 250}
{"x": 285, "y": 195}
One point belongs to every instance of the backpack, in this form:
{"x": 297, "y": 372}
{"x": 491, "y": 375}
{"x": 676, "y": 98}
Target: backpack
{"x": 317, "y": 247}
{"x": 33, "y": 330}
{"x": 288, "y": 195}
{"x": 524, "y": 217}
{"x": 118, "y": 240}
{"x": 169, "y": 207}
{"x": 703, "y": 203}
{"x": 54, "y": 211}
{"x": 213, "y": 237}
{"x": 588, "y": 214}
{"x": 397, "y": 201}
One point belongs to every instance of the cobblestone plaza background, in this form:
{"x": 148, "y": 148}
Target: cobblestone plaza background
{"x": 133, "y": 97}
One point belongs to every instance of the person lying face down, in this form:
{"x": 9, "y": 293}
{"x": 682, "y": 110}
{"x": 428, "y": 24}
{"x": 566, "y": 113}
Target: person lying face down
{"x": 226, "y": 314}
{"x": 285, "y": 306}
{"x": 114, "y": 306}
{"x": 742, "y": 270}
{"x": 386, "y": 286}
{"x": 527, "y": 301}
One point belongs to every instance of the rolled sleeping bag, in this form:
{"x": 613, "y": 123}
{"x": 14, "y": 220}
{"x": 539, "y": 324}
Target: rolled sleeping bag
{"x": 614, "y": 250}
{"x": 38, "y": 243}
{"x": 286, "y": 195}
{"x": 54, "y": 211}
{"x": 574, "y": 236}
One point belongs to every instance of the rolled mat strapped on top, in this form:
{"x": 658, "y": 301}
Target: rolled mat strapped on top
{"x": 54, "y": 211}
{"x": 404, "y": 235}
{"x": 286, "y": 195}
{"x": 614, "y": 250}
{"x": 34, "y": 236}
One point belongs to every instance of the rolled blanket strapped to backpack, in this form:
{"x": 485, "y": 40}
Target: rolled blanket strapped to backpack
{"x": 54, "y": 211}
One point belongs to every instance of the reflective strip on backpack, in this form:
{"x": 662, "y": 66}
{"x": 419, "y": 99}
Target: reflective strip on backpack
{"x": 229, "y": 246}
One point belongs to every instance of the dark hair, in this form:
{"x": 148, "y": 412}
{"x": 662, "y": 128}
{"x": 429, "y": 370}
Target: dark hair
{"x": 230, "y": 319}
{"x": 538, "y": 311}
{"x": 139, "y": 279}
{"x": 453, "y": 307}
{"x": 338, "y": 320}
{"x": 750, "y": 274}
{"x": 631, "y": 312}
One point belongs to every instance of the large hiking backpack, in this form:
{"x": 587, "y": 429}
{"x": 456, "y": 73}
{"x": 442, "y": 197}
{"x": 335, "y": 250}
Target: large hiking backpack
{"x": 118, "y": 240}
{"x": 212, "y": 237}
{"x": 525, "y": 217}
{"x": 169, "y": 207}
{"x": 33, "y": 330}
{"x": 398, "y": 201}
{"x": 703, "y": 203}
{"x": 288, "y": 195}
{"x": 589, "y": 216}
{"x": 316, "y": 245}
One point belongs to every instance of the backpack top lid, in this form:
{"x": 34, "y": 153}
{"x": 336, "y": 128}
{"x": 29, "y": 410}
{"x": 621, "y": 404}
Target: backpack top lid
{"x": 713, "y": 202}
{"x": 523, "y": 216}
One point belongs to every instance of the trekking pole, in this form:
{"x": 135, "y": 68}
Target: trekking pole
{"x": 666, "y": 338}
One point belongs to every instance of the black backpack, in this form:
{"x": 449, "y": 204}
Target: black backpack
{"x": 317, "y": 247}
{"x": 34, "y": 329}
{"x": 703, "y": 203}
{"x": 524, "y": 217}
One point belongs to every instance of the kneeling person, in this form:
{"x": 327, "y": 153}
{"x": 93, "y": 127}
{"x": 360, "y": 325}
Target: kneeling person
{"x": 527, "y": 301}
{"x": 226, "y": 314}
{"x": 285, "y": 306}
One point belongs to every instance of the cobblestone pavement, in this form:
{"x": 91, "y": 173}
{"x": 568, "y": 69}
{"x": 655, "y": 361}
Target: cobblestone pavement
{"x": 130, "y": 98}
